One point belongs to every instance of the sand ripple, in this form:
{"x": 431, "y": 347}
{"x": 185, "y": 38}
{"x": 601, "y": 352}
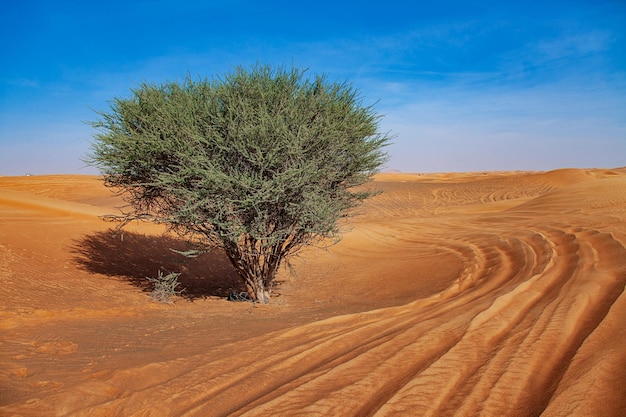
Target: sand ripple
{"x": 530, "y": 324}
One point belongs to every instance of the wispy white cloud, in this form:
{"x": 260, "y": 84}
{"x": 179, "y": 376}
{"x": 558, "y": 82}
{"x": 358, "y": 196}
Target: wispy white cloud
{"x": 574, "y": 45}
{"x": 542, "y": 128}
{"x": 23, "y": 82}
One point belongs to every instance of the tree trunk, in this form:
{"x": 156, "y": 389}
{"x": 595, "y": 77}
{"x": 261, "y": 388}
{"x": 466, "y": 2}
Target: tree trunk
{"x": 256, "y": 288}
{"x": 252, "y": 276}
{"x": 262, "y": 296}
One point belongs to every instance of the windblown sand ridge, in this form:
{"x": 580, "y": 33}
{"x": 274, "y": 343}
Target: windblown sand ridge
{"x": 496, "y": 294}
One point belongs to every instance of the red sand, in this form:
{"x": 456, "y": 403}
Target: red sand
{"x": 493, "y": 294}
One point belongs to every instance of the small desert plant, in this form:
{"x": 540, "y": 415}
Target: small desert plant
{"x": 164, "y": 287}
{"x": 240, "y": 296}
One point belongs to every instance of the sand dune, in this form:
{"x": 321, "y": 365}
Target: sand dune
{"x": 478, "y": 294}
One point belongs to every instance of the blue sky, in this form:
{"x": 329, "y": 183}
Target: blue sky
{"x": 464, "y": 86}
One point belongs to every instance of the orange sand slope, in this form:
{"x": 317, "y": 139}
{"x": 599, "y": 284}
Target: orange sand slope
{"x": 493, "y": 294}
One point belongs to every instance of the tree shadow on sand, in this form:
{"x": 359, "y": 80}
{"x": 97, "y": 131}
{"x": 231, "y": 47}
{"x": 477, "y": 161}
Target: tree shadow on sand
{"x": 133, "y": 257}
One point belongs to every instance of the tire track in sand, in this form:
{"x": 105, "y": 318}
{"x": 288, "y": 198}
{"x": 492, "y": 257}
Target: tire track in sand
{"x": 496, "y": 342}
{"x": 520, "y": 330}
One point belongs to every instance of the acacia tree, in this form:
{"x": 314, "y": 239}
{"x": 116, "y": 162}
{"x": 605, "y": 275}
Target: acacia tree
{"x": 260, "y": 162}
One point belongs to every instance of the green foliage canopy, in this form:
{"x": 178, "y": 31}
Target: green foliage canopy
{"x": 261, "y": 162}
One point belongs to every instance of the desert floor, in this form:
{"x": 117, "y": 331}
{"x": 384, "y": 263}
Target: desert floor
{"x": 482, "y": 294}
